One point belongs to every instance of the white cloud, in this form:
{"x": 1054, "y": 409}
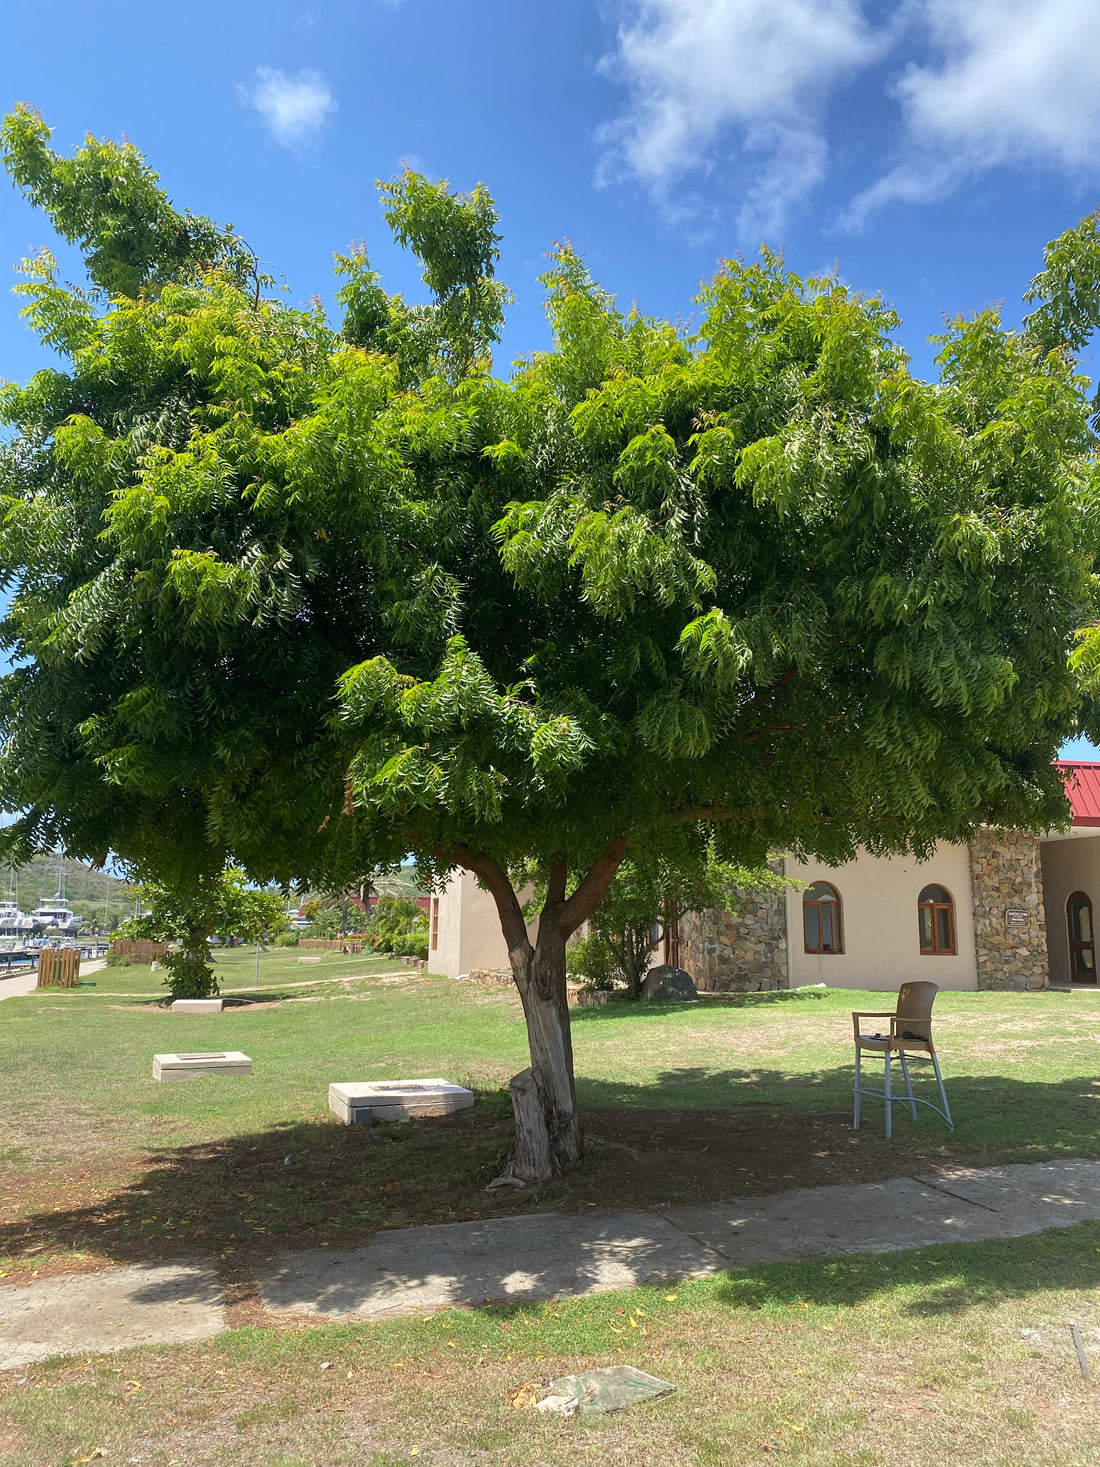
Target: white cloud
{"x": 295, "y": 106}
{"x": 1014, "y": 81}
{"x": 707, "y": 77}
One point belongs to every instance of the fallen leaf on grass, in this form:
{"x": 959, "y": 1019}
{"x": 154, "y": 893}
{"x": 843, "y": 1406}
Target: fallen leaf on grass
{"x": 522, "y": 1396}
{"x": 96, "y": 1452}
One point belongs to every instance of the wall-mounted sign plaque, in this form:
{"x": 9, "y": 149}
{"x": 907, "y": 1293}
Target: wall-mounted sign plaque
{"x": 1017, "y": 917}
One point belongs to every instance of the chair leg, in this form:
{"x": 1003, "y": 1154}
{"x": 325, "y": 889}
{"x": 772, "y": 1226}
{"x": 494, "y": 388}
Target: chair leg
{"x": 859, "y": 1056}
{"x": 889, "y": 1102}
{"x": 908, "y": 1083}
{"x": 943, "y": 1092}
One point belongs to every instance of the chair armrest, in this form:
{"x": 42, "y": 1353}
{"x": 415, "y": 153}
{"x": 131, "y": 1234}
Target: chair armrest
{"x": 858, "y": 1014}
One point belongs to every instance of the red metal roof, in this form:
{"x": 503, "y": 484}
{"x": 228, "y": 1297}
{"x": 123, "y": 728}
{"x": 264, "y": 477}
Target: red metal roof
{"x": 1083, "y": 788}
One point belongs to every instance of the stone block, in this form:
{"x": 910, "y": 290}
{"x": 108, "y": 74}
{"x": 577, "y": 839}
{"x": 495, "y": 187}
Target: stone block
{"x": 666, "y": 984}
{"x": 397, "y": 1100}
{"x": 195, "y": 1066}
{"x": 197, "y": 1005}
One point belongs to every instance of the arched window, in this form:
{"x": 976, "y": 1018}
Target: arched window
{"x": 936, "y": 920}
{"x": 821, "y": 919}
{"x": 1082, "y": 950}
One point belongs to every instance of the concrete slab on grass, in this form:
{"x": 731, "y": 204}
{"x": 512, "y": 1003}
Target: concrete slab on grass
{"x": 197, "y": 1005}
{"x": 544, "y": 1256}
{"x": 110, "y": 1310}
{"x": 195, "y": 1066}
{"x": 397, "y": 1100}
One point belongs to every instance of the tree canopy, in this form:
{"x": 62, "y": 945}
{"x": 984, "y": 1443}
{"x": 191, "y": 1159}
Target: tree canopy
{"x": 316, "y": 594}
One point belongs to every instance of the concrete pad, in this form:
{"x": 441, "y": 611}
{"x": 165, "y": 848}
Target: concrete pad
{"x": 112, "y": 1310}
{"x": 814, "y": 1222}
{"x": 538, "y": 1257}
{"x": 197, "y": 1005}
{"x": 1032, "y": 1195}
{"x": 195, "y": 1066}
{"x": 397, "y": 1100}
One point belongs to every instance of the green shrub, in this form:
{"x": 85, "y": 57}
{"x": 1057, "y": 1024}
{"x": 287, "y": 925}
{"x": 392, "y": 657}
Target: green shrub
{"x": 410, "y": 945}
{"x": 591, "y": 958}
{"x": 120, "y": 960}
{"x": 285, "y": 939}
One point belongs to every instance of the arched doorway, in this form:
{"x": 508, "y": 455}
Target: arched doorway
{"x": 1082, "y": 946}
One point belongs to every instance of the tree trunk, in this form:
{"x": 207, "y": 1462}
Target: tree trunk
{"x": 548, "y": 1135}
{"x": 549, "y": 1140}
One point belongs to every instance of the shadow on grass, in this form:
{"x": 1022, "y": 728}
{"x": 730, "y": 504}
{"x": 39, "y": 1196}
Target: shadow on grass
{"x": 936, "y": 1281}
{"x": 639, "y": 1009}
{"x": 740, "y": 1133}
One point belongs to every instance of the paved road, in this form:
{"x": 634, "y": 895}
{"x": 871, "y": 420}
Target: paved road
{"x": 547, "y": 1256}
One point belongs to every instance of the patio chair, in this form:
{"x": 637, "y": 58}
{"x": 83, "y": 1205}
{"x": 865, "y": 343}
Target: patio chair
{"x": 909, "y": 1033}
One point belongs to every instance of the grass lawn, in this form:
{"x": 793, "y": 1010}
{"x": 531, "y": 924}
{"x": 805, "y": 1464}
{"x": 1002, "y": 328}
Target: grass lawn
{"x": 958, "y": 1354}
{"x": 749, "y": 1094}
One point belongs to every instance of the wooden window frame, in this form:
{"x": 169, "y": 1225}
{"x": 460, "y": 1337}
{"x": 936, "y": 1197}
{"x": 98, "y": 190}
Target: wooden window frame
{"x": 1075, "y": 943}
{"x": 835, "y": 905}
{"x": 935, "y": 951}
{"x": 434, "y": 943}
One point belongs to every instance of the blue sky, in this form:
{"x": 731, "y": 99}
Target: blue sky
{"x": 928, "y": 148}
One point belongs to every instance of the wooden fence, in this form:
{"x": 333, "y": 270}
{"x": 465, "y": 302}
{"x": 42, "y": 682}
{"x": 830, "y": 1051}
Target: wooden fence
{"x": 141, "y": 949}
{"x": 58, "y": 967}
{"x": 334, "y": 944}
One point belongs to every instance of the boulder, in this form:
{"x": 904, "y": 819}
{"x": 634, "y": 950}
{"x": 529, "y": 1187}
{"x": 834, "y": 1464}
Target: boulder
{"x": 666, "y": 984}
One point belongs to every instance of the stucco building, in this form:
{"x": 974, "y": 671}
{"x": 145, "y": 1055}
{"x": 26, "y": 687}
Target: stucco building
{"x": 1011, "y": 910}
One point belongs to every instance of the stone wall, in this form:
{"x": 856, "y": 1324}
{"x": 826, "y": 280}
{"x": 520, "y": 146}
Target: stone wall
{"x": 1007, "y": 882}
{"x": 740, "y": 952}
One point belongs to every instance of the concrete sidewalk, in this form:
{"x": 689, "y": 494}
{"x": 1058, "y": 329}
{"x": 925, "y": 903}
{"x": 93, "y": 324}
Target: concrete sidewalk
{"x": 18, "y": 985}
{"x": 548, "y": 1256}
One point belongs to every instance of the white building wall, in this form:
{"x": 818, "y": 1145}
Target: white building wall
{"x": 1070, "y": 863}
{"x": 468, "y": 927}
{"x": 879, "y": 923}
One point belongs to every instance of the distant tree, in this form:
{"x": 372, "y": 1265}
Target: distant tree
{"x": 327, "y": 922}
{"x": 647, "y": 900}
{"x": 394, "y": 918}
{"x": 749, "y": 586}
{"x": 226, "y": 906}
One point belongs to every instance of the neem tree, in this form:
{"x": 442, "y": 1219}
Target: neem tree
{"x": 338, "y": 594}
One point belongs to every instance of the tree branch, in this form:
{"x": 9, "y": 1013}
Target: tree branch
{"x": 597, "y": 879}
{"x": 555, "y": 883}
